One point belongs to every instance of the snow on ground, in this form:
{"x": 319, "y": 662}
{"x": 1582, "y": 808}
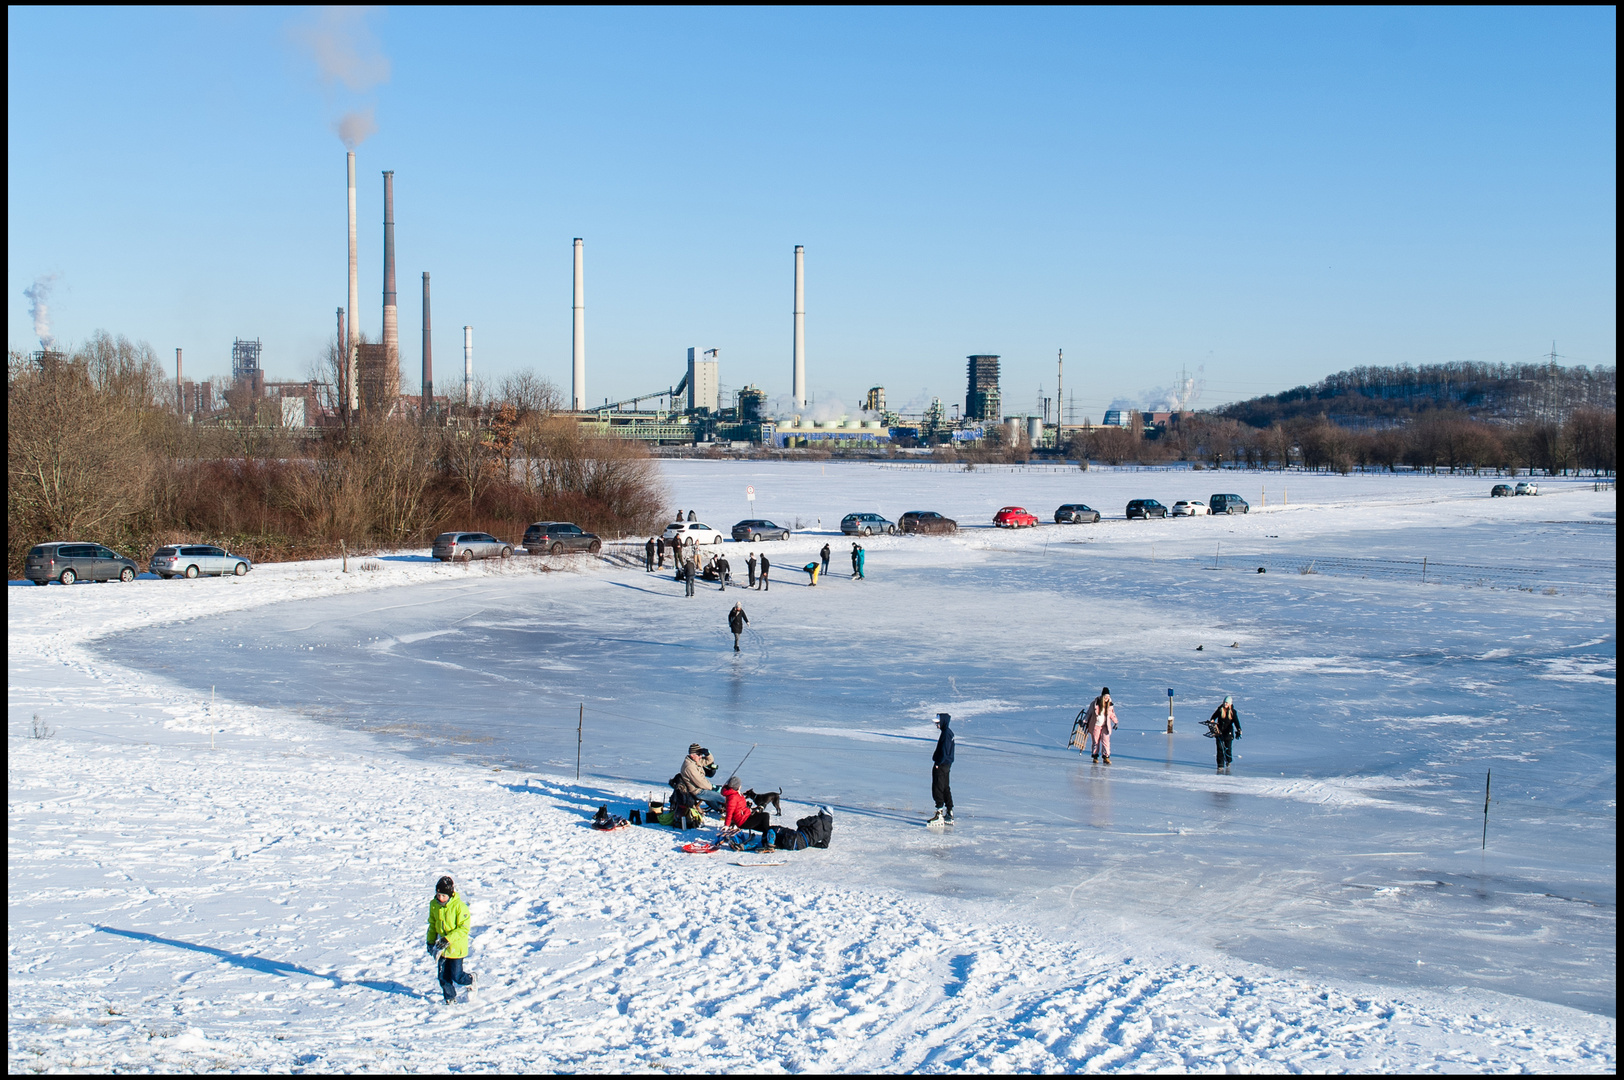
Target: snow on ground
{"x": 257, "y": 904}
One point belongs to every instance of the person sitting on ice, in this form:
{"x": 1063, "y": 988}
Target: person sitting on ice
{"x": 811, "y": 831}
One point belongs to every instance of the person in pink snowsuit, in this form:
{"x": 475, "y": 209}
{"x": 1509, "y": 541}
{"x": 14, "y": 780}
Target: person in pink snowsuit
{"x": 1102, "y": 720}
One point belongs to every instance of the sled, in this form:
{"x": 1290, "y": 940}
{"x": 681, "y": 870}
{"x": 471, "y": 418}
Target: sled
{"x": 701, "y": 847}
{"x": 619, "y": 823}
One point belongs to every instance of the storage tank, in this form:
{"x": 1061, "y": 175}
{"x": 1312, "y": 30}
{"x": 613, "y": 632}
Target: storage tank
{"x": 1034, "y": 430}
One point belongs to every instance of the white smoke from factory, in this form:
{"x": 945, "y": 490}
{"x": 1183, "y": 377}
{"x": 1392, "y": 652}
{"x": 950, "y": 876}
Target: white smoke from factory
{"x": 39, "y": 296}
{"x": 341, "y": 43}
{"x": 354, "y": 127}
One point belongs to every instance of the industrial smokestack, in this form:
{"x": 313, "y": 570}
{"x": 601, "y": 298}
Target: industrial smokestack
{"x": 349, "y": 385}
{"x": 391, "y": 316}
{"x": 180, "y": 387}
{"x": 799, "y": 385}
{"x": 467, "y": 364}
{"x": 428, "y": 351}
{"x": 578, "y": 352}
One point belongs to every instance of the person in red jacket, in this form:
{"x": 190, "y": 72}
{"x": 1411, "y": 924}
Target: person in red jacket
{"x": 736, "y": 812}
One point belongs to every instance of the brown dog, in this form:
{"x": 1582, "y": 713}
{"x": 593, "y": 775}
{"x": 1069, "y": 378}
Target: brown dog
{"x": 766, "y": 799}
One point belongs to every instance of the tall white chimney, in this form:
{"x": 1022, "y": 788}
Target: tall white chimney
{"x": 578, "y": 352}
{"x": 351, "y": 387}
{"x": 180, "y": 387}
{"x": 467, "y": 364}
{"x": 800, "y": 330}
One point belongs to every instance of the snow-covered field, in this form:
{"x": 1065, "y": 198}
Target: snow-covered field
{"x": 222, "y": 856}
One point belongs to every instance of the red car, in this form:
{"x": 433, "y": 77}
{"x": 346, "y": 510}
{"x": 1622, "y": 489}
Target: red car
{"x": 1014, "y": 517}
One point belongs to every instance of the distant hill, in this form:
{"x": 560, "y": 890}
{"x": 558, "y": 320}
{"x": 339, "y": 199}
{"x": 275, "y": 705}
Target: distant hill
{"x": 1383, "y": 396}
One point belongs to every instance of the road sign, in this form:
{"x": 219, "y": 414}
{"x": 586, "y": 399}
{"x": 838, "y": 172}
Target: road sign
{"x": 750, "y": 492}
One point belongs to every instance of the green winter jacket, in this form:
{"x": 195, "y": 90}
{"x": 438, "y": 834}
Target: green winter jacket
{"x": 451, "y": 921}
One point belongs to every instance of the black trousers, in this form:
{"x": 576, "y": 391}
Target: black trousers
{"x": 940, "y": 792}
{"x": 1225, "y": 749}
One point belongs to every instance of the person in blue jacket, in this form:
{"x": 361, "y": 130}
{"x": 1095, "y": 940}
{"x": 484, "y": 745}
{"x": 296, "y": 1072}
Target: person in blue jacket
{"x": 942, "y": 764}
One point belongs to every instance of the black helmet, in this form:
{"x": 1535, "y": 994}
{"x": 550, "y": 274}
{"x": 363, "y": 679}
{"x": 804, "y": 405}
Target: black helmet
{"x": 446, "y": 886}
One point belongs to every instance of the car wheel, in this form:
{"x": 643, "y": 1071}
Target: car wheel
{"x": 755, "y": 538}
{"x": 191, "y": 571}
{"x": 467, "y": 556}
{"x": 890, "y": 530}
{"x": 242, "y": 568}
{"x": 717, "y": 539}
{"x": 556, "y": 549}
{"x": 68, "y": 577}
{"x": 507, "y": 552}
{"x": 126, "y": 575}
{"x": 595, "y": 547}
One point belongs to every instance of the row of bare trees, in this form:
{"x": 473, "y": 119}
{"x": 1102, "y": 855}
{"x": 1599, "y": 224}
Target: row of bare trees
{"x": 96, "y": 451}
{"x": 1585, "y": 441}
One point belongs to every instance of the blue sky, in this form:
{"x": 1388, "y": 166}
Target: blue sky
{"x": 1266, "y": 195}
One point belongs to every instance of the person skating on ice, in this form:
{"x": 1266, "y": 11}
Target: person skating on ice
{"x": 941, "y": 791}
{"x": 736, "y": 620}
{"x": 824, "y": 555}
{"x": 449, "y": 921}
{"x": 1102, "y": 720}
{"x": 750, "y": 564}
{"x": 1226, "y": 729}
{"x": 762, "y": 580}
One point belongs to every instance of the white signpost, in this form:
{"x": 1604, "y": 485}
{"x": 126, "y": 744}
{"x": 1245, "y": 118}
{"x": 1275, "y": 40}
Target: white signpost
{"x": 750, "y": 492}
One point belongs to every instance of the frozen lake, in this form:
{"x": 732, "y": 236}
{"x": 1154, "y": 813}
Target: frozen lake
{"x": 1346, "y": 840}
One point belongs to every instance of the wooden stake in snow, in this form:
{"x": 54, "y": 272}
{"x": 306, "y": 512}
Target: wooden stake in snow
{"x": 344, "y": 553}
{"x": 1170, "y": 710}
{"x": 580, "y": 723}
{"x": 1487, "y": 777}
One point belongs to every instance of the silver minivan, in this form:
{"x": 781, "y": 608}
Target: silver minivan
{"x": 192, "y": 560}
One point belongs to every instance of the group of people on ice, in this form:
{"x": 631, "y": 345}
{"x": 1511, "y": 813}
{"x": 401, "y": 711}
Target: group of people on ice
{"x": 690, "y": 564}
{"x": 1092, "y": 729}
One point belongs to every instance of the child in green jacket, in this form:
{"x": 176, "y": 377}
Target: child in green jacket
{"x": 449, "y": 921}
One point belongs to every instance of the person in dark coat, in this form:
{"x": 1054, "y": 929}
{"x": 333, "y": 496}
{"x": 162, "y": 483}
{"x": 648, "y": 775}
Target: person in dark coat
{"x": 1227, "y": 728}
{"x": 751, "y": 563}
{"x": 736, "y": 620}
{"x": 688, "y": 573}
{"x": 659, "y": 553}
{"x": 691, "y": 516}
{"x": 941, "y": 766}
{"x": 765, "y": 566}
{"x": 648, "y": 556}
{"x": 723, "y": 571}
{"x": 857, "y": 554}
{"x": 824, "y": 555}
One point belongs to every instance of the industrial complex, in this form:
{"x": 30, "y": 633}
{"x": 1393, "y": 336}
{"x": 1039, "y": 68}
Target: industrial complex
{"x": 690, "y": 410}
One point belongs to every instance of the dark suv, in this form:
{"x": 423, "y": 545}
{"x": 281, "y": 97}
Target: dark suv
{"x": 557, "y": 537}
{"x": 1146, "y": 508}
{"x": 68, "y": 563}
{"x": 926, "y": 521}
{"x": 1227, "y": 504}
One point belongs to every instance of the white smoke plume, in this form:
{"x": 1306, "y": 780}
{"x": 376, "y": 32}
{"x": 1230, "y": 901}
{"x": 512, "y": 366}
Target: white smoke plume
{"x": 341, "y": 43}
{"x": 39, "y": 295}
{"x": 354, "y": 127}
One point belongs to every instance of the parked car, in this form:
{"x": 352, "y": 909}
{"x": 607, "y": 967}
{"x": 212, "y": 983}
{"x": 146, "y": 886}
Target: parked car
{"x": 1014, "y": 517}
{"x": 465, "y": 546}
{"x": 1076, "y": 514}
{"x": 68, "y": 563}
{"x": 1228, "y": 504}
{"x": 1500, "y": 491}
{"x": 557, "y": 537}
{"x": 190, "y": 560}
{"x": 757, "y": 529}
{"x": 691, "y": 532}
{"x": 1146, "y": 508}
{"x": 1189, "y": 508}
{"x": 866, "y": 525}
{"x": 926, "y": 521}
{"x": 1526, "y": 488}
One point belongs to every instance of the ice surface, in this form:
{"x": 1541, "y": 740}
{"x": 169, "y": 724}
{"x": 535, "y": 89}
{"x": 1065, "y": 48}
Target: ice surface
{"x": 1342, "y": 849}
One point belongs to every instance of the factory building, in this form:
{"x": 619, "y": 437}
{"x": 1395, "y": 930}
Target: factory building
{"x": 981, "y": 397}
